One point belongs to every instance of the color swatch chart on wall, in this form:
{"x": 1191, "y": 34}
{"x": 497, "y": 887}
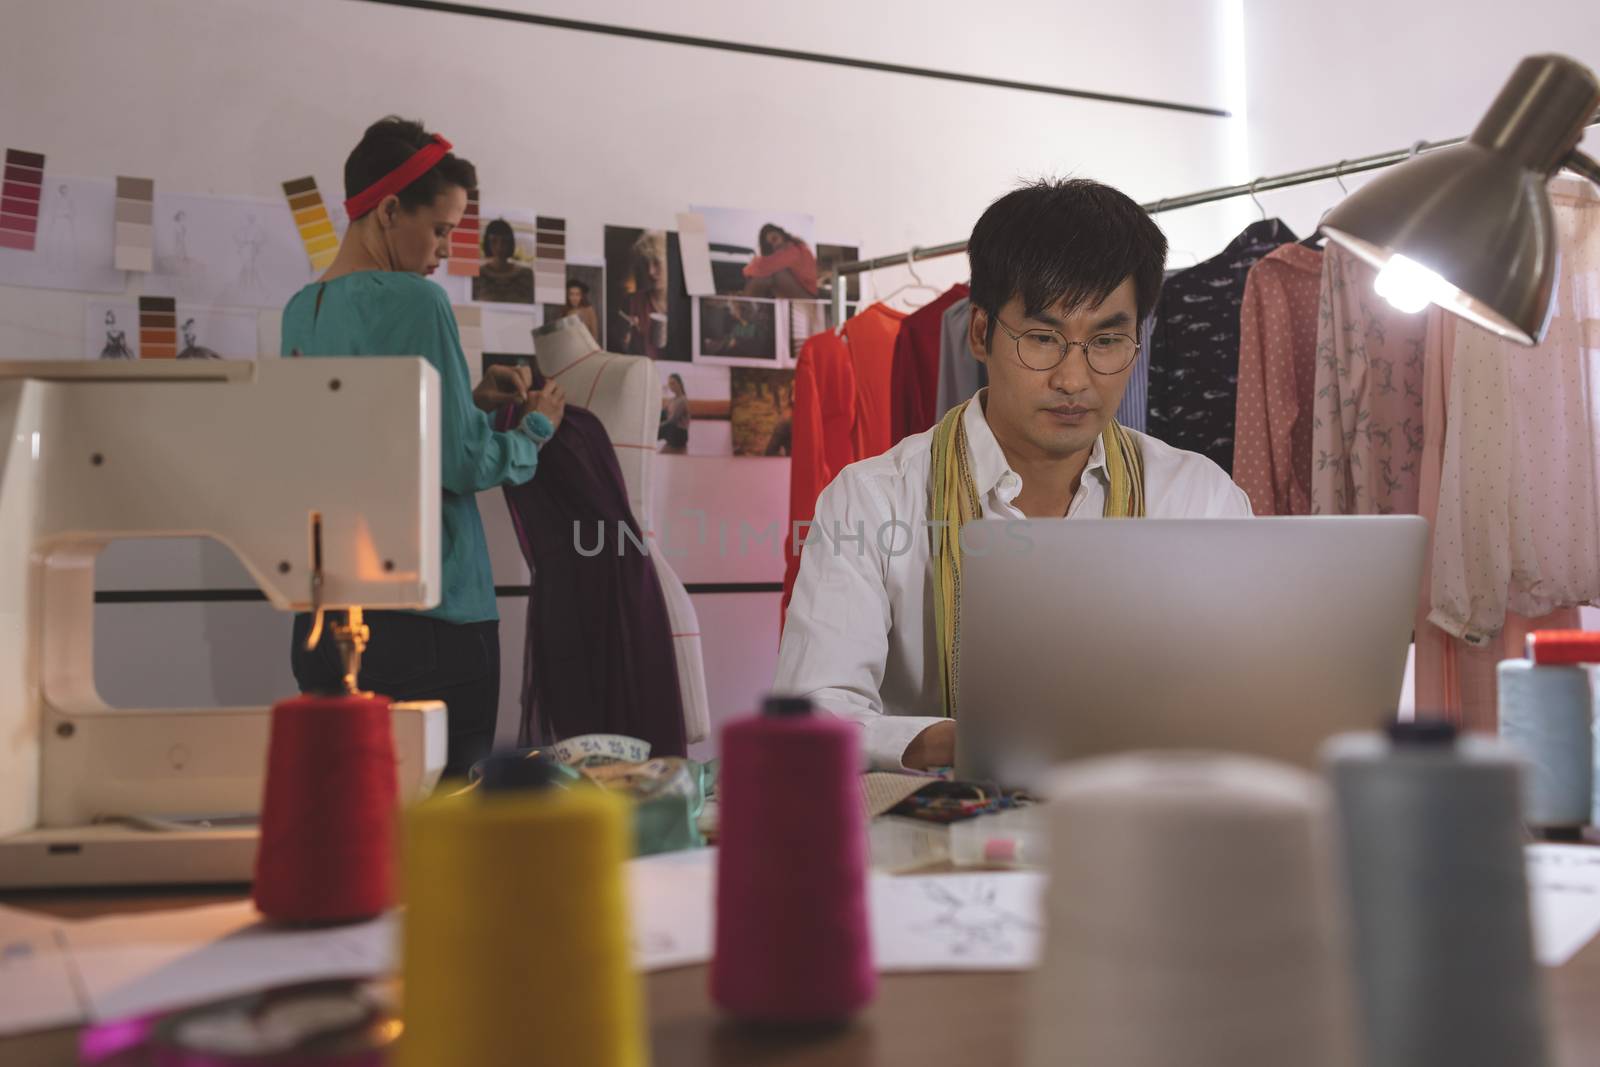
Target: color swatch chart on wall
{"x": 19, "y": 199}
{"x": 464, "y": 252}
{"x": 311, "y": 218}
{"x": 158, "y": 327}
{"x": 136, "y": 233}
{"x": 550, "y": 261}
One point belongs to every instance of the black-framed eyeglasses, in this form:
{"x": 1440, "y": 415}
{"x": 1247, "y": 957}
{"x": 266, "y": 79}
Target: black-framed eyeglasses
{"x": 1041, "y": 349}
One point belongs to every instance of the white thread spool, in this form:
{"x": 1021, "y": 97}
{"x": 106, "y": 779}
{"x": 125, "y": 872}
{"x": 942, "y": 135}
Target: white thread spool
{"x": 1192, "y": 917}
{"x": 1547, "y": 713}
{"x": 1431, "y": 844}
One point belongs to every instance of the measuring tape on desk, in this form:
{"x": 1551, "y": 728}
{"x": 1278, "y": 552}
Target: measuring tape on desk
{"x": 339, "y": 1023}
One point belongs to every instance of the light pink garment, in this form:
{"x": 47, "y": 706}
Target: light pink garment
{"x": 1277, "y": 376}
{"x": 1454, "y": 680}
{"x": 1367, "y": 432}
{"x": 1518, "y": 524}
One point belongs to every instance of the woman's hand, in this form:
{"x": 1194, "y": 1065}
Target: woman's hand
{"x": 502, "y": 385}
{"x": 551, "y": 402}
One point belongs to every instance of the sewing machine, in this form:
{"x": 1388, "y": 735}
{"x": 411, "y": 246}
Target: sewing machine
{"x": 321, "y": 475}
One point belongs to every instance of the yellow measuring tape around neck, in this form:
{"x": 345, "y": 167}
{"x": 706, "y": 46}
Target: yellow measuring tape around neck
{"x": 953, "y": 501}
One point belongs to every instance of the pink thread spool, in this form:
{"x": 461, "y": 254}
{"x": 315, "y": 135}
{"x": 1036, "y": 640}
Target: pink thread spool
{"x": 793, "y": 940}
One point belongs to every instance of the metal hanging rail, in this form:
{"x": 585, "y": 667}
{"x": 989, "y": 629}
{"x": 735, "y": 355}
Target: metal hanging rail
{"x": 1328, "y": 172}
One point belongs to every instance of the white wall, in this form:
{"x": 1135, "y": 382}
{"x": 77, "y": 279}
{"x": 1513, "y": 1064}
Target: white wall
{"x": 1329, "y": 81}
{"x": 234, "y": 96}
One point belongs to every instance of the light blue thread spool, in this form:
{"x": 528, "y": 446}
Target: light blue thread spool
{"x": 1432, "y": 849}
{"x": 1547, "y": 712}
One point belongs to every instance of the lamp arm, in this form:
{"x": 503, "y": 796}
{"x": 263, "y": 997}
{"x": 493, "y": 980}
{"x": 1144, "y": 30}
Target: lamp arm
{"x": 1583, "y": 164}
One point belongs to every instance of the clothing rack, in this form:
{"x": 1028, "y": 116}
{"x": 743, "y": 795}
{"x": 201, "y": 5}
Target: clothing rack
{"x": 1328, "y": 172}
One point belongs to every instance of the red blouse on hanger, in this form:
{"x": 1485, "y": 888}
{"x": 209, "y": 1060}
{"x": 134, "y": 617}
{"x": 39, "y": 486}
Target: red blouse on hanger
{"x": 842, "y": 391}
{"x": 914, "y": 384}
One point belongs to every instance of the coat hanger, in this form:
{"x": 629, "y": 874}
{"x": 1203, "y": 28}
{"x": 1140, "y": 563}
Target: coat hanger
{"x": 1318, "y": 238}
{"x": 1277, "y": 225}
{"x": 1257, "y": 200}
{"x": 915, "y": 285}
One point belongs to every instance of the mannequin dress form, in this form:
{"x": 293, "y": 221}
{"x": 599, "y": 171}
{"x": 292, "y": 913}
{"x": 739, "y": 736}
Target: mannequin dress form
{"x": 624, "y": 392}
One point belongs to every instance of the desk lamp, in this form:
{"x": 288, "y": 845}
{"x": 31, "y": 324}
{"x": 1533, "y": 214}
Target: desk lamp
{"x": 1470, "y": 227}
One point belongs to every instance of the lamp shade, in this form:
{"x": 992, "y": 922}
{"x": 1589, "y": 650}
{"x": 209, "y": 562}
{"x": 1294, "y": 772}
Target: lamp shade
{"x": 1470, "y": 227}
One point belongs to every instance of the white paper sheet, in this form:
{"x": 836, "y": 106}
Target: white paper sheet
{"x": 232, "y": 333}
{"x": 947, "y": 922}
{"x": 131, "y": 965}
{"x": 670, "y": 903}
{"x": 957, "y": 922}
{"x": 1564, "y": 883}
{"x": 36, "y": 987}
{"x": 694, "y": 246}
{"x": 76, "y": 241}
{"x": 111, "y": 329}
{"x": 508, "y": 331}
{"x": 227, "y": 251}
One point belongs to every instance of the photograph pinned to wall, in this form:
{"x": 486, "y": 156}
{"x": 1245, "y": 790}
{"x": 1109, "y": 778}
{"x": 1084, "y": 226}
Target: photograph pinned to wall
{"x": 75, "y": 246}
{"x": 465, "y": 241}
{"x": 585, "y": 296}
{"x": 761, "y": 253}
{"x": 647, "y": 310}
{"x": 762, "y": 415}
{"x": 112, "y": 330}
{"x": 739, "y": 331}
{"x": 696, "y": 405}
{"x": 135, "y": 248}
{"x": 224, "y": 251}
{"x": 506, "y": 245}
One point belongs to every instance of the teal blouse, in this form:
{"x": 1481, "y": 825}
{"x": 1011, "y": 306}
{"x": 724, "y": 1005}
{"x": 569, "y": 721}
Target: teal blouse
{"x": 386, "y": 313}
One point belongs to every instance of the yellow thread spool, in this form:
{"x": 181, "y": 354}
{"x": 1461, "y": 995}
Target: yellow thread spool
{"x": 516, "y": 932}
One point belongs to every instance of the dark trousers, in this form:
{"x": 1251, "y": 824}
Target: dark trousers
{"x": 411, "y": 657}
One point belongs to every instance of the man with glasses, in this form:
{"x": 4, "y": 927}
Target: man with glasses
{"x": 1062, "y": 275}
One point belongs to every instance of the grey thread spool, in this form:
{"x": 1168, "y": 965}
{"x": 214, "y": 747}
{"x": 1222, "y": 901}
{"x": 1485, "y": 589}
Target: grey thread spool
{"x": 1432, "y": 846}
{"x": 1191, "y": 918}
{"x": 1546, "y": 712}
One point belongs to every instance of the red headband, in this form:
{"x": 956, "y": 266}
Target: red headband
{"x": 390, "y": 184}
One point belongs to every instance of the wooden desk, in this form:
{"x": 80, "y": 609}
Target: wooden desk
{"x": 917, "y": 1020}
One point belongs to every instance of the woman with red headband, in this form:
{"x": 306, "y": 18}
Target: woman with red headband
{"x": 406, "y": 193}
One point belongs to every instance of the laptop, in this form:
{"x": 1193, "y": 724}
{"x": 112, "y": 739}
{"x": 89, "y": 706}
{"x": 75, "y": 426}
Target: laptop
{"x": 1259, "y": 636}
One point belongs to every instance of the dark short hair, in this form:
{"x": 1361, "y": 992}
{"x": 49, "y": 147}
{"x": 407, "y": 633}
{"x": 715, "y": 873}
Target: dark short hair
{"x": 771, "y": 228}
{"x": 578, "y": 283}
{"x": 388, "y": 143}
{"x": 498, "y": 228}
{"x": 1069, "y": 241}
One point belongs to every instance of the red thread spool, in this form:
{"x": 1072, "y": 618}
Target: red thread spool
{"x": 793, "y": 939}
{"x": 328, "y": 818}
{"x": 1550, "y": 648}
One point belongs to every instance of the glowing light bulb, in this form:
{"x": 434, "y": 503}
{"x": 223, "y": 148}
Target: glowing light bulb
{"x": 1410, "y": 286}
